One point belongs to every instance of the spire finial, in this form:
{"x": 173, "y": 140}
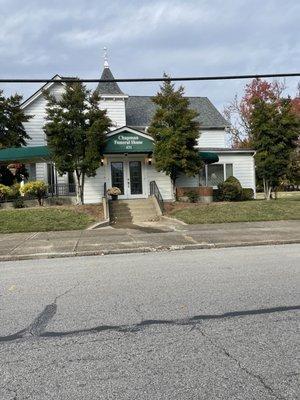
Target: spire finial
{"x": 105, "y": 57}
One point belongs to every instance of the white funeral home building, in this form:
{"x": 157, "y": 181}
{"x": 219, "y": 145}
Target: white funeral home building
{"x": 127, "y": 162}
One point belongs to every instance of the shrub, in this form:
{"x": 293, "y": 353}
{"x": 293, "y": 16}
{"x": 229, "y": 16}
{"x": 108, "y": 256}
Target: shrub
{"x": 18, "y": 203}
{"x": 230, "y": 190}
{"x": 14, "y": 191}
{"x": 247, "y": 194}
{"x": 216, "y": 195}
{"x": 37, "y": 189}
{"x": 193, "y": 196}
{"x": 4, "y": 191}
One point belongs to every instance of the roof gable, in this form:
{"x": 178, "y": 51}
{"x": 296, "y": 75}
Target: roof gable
{"x": 39, "y": 92}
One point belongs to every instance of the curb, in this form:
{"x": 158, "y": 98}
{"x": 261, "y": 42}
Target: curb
{"x": 200, "y": 246}
{"x": 99, "y": 225}
{"x": 175, "y": 220}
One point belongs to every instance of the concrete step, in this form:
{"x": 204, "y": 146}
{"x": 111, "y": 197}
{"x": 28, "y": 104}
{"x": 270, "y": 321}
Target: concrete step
{"x": 149, "y": 207}
{"x": 134, "y": 201}
{"x": 132, "y": 215}
{"x": 116, "y": 204}
{"x": 133, "y": 211}
{"x": 137, "y": 210}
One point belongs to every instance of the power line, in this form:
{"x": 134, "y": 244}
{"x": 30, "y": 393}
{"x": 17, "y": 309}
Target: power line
{"x": 163, "y": 79}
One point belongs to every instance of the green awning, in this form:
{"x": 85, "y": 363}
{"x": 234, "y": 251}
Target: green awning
{"x": 24, "y": 154}
{"x": 41, "y": 153}
{"x": 209, "y": 157}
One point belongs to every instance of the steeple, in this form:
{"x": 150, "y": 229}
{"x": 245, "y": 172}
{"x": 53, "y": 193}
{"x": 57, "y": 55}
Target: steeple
{"x": 109, "y": 88}
{"x": 106, "y": 65}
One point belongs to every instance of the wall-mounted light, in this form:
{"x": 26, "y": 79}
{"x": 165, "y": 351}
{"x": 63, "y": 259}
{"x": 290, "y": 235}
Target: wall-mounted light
{"x": 149, "y": 160}
{"x": 103, "y": 161}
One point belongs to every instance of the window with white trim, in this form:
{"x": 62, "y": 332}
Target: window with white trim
{"x": 214, "y": 174}
{"x": 229, "y": 170}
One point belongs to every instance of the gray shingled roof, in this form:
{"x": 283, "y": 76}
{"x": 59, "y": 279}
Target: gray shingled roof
{"x": 108, "y": 87}
{"x": 140, "y": 109}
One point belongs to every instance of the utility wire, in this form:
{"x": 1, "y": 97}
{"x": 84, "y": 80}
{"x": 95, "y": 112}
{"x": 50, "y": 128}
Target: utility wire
{"x": 163, "y": 79}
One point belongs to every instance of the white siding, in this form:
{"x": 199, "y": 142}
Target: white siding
{"x": 162, "y": 180}
{"x": 243, "y": 168}
{"x": 115, "y": 110}
{"x": 34, "y": 127}
{"x": 93, "y": 188}
{"x": 41, "y": 172}
{"x": 212, "y": 138}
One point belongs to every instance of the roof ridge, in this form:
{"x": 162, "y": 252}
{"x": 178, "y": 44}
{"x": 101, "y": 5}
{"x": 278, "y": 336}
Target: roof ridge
{"x": 188, "y": 97}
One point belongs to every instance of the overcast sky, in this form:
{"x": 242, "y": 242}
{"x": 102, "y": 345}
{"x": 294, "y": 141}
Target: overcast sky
{"x": 40, "y": 38}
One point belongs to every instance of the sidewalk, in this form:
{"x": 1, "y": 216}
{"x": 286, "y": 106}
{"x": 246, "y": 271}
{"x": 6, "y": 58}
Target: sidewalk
{"x": 159, "y": 236}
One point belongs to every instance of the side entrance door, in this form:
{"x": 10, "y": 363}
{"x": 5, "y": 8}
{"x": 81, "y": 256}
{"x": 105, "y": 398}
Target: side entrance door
{"x": 127, "y": 175}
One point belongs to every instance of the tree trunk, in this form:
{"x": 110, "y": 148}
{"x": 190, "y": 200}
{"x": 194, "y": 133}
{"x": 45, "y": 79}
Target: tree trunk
{"x": 173, "y": 177}
{"x": 82, "y": 189}
{"x": 174, "y": 188}
{"x": 267, "y": 189}
{"x": 79, "y": 187}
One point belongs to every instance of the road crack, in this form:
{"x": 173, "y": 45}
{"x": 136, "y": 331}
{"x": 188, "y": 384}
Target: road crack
{"x": 44, "y": 317}
{"x": 239, "y": 364}
{"x": 39, "y": 324}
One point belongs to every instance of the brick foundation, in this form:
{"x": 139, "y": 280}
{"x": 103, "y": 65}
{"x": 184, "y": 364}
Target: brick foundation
{"x": 205, "y": 193}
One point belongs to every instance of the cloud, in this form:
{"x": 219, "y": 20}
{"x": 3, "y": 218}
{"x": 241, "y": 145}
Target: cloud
{"x": 191, "y": 37}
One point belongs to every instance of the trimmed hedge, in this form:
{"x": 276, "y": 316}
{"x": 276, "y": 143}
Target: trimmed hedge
{"x": 230, "y": 190}
{"x": 247, "y": 194}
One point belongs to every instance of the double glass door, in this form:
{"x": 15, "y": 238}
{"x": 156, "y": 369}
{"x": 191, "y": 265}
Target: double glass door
{"x": 127, "y": 176}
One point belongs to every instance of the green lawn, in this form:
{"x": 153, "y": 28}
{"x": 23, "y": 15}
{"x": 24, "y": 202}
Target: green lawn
{"x": 42, "y": 219}
{"x": 246, "y": 211}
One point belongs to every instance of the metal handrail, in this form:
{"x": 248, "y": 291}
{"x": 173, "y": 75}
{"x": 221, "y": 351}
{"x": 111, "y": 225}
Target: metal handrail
{"x": 154, "y": 191}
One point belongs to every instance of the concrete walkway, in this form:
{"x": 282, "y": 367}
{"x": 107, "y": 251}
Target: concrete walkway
{"x": 167, "y": 234}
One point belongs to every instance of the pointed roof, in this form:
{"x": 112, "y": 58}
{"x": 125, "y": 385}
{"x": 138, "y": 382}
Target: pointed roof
{"x": 110, "y": 88}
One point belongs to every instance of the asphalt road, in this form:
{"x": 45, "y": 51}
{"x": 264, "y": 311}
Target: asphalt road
{"x": 205, "y": 324}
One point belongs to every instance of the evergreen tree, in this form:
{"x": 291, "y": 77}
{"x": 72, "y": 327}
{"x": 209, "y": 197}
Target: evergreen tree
{"x": 76, "y": 131}
{"x": 12, "y": 118}
{"x": 275, "y": 130}
{"x": 175, "y": 132}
